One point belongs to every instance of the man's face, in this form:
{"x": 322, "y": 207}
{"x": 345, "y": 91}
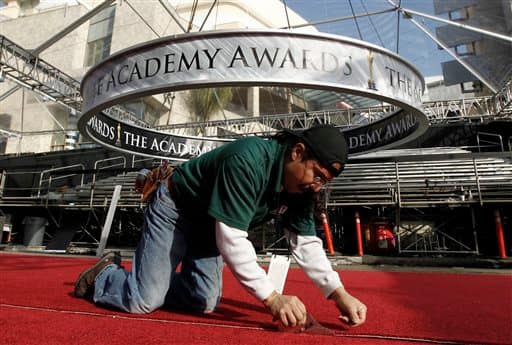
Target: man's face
{"x": 304, "y": 175}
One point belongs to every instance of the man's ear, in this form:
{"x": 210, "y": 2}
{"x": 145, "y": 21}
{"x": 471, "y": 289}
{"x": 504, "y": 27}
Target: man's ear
{"x": 297, "y": 152}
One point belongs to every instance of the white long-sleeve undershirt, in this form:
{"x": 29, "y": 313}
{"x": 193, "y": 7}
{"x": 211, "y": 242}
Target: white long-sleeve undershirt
{"x": 308, "y": 252}
{"x": 238, "y": 252}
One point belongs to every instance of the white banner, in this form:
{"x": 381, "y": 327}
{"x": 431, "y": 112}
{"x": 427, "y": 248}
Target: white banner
{"x": 251, "y": 58}
{"x": 254, "y": 58}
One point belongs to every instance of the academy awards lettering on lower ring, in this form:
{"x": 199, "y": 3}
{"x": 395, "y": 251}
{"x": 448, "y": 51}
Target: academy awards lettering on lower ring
{"x": 249, "y": 58}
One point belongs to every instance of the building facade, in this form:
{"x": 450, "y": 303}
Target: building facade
{"x": 490, "y": 57}
{"x": 32, "y": 123}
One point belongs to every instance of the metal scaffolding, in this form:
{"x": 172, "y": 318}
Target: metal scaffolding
{"x": 25, "y": 68}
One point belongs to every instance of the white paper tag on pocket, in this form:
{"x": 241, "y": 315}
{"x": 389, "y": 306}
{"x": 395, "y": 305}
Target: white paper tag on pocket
{"x": 278, "y": 270}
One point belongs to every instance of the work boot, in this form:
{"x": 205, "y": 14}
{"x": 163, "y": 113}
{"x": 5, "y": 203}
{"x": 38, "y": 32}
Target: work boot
{"x": 84, "y": 286}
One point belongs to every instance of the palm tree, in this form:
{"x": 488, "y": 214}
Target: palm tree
{"x": 203, "y": 103}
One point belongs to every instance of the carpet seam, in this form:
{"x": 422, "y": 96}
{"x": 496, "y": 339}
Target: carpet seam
{"x": 195, "y": 323}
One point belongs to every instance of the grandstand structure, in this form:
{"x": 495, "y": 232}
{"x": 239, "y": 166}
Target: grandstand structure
{"x": 413, "y": 190}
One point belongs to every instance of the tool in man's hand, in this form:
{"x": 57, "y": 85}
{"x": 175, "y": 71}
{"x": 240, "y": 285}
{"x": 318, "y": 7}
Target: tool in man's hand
{"x": 311, "y": 327}
{"x": 277, "y": 272}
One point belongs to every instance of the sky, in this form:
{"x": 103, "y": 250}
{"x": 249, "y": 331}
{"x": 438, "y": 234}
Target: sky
{"x": 413, "y": 45}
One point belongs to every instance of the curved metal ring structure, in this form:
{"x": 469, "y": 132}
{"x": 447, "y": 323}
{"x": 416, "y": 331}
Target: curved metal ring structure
{"x": 249, "y": 58}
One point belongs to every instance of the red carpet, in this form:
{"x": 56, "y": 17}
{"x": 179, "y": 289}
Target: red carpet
{"x": 36, "y": 307}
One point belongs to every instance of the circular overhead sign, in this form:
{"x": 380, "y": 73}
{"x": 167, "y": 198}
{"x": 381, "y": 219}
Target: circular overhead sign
{"x": 249, "y": 58}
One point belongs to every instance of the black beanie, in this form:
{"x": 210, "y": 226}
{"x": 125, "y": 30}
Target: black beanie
{"x": 328, "y": 145}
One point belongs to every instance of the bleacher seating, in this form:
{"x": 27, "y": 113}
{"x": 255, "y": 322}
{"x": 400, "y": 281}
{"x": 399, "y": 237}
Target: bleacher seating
{"x": 98, "y": 193}
{"x": 95, "y": 193}
{"x": 404, "y": 183}
{"x": 424, "y": 183}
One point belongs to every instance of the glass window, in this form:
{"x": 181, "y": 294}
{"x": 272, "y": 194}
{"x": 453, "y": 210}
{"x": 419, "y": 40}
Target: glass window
{"x": 97, "y": 51}
{"x": 465, "y": 49}
{"x": 99, "y": 38}
{"x": 459, "y": 14}
{"x": 104, "y": 15}
{"x": 5, "y": 123}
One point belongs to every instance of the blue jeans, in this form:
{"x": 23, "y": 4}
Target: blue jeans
{"x": 170, "y": 235}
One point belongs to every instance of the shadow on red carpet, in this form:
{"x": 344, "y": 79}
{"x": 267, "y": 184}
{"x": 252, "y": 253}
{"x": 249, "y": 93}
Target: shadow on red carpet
{"x": 37, "y": 307}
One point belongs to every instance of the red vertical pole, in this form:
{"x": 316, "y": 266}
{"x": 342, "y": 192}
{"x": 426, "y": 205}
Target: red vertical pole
{"x": 327, "y": 231}
{"x": 358, "y": 235}
{"x": 499, "y": 235}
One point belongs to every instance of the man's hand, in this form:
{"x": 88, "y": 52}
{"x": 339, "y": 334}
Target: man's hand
{"x": 288, "y": 309}
{"x": 353, "y": 312}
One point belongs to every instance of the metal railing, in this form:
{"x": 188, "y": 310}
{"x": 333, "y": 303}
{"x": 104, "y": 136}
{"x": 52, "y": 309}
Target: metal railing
{"x": 503, "y": 100}
{"x": 51, "y": 172}
{"x": 423, "y": 183}
{"x": 98, "y": 167}
{"x": 486, "y": 140}
{"x": 21, "y": 195}
{"x": 140, "y": 159}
